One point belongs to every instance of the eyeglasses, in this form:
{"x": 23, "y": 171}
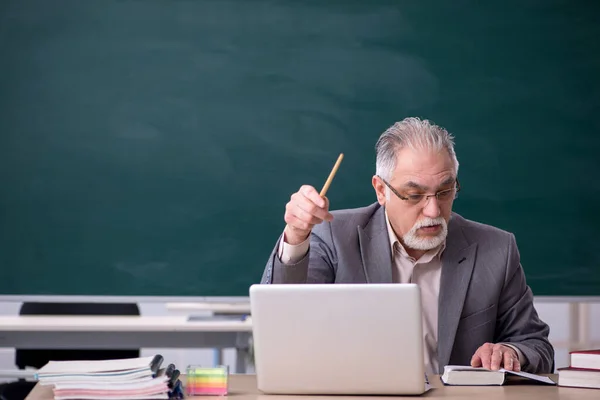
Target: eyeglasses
{"x": 442, "y": 196}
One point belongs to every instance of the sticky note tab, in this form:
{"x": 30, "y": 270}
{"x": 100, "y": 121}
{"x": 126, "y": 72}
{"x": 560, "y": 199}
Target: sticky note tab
{"x": 207, "y": 381}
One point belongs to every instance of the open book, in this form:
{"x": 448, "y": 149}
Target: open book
{"x": 466, "y": 375}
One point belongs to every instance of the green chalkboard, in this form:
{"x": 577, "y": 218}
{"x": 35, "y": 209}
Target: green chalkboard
{"x": 149, "y": 147}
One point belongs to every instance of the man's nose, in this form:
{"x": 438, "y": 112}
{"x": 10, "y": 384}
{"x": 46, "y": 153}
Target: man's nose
{"x": 432, "y": 207}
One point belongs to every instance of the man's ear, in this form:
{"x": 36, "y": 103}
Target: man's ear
{"x": 380, "y": 189}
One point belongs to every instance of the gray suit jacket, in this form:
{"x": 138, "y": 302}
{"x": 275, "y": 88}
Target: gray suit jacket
{"x": 483, "y": 294}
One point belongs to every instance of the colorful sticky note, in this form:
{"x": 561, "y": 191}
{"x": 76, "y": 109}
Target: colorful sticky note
{"x": 206, "y": 381}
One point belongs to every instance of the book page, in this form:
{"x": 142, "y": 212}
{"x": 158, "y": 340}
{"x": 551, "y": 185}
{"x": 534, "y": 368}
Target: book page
{"x": 539, "y": 378}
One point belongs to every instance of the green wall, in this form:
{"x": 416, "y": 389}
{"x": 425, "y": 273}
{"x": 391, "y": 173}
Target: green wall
{"x": 149, "y": 147}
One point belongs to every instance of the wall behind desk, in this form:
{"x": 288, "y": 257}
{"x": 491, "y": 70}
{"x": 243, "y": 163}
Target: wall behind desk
{"x": 149, "y": 147}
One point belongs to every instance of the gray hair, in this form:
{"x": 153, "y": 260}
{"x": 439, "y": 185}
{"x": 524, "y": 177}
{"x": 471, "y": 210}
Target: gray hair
{"x": 413, "y": 133}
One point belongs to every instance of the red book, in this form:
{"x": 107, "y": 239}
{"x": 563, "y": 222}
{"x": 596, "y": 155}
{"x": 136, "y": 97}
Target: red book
{"x": 589, "y": 359}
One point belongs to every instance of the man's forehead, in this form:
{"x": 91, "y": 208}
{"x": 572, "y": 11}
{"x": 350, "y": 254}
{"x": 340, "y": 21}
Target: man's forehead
{"x": 424, "y": 167}
{"x": 421, "y": 159}
{"x": 426, "y": 184}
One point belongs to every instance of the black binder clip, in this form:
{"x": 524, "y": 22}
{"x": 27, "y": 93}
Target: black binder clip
{"x": 169, "y": 370}
{"x": 155, "y": 364}
{"x": 174, "y": 384}
{"x": 173, "y": 378}
{"x": 177, "y": 392}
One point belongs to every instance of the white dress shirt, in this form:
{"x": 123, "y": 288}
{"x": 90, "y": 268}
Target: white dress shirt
{"x": 425, "y": 272}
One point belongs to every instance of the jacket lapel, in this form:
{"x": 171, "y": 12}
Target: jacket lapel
{"x": 457, "y": 267}
{"x": 375, "y": 249}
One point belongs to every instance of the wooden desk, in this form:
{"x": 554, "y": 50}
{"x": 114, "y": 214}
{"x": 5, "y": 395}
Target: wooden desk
{"x": 125, "y": 332}
{"x": 243, "y": 387}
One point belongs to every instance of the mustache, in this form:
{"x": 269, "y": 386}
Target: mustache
{"x": 425, "y": 222}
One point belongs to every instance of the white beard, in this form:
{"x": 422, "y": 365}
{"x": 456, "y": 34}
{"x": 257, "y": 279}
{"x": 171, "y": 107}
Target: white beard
{"x": 413, "y": 241}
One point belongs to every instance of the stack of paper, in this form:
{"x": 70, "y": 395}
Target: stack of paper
{"x": 130, "y": 379}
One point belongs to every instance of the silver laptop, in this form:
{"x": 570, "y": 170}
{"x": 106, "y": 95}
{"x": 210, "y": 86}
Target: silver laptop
{"x": 338, "y": 338}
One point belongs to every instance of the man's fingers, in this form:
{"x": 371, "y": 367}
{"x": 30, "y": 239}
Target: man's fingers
{"x": 306, "y": 216}
{"x": 302, "y": 214}
{"x": 326, "y": 203}
{"x": 476, "y": 361}
{"x": 298, "y": 225}
{"x": 485, "y": 352}
{"x": 312, "y": 209}
{"x": 509, "y": 361}
{"x": 305, "y": 209}
{"x": 516, "y": 365}
{"x": 311, "y": 193}
{"x": 497, "y": 355}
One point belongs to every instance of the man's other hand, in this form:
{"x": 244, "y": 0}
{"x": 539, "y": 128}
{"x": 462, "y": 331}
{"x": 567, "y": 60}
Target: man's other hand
{"x": 495, "y": 356}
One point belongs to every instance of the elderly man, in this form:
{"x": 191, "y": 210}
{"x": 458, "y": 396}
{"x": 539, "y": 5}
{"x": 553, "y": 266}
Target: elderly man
{"x": 477, "y": 306}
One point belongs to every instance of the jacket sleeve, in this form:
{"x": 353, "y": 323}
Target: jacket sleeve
{"x": 518, "y": 322}
{"x": 317, "y": 266}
